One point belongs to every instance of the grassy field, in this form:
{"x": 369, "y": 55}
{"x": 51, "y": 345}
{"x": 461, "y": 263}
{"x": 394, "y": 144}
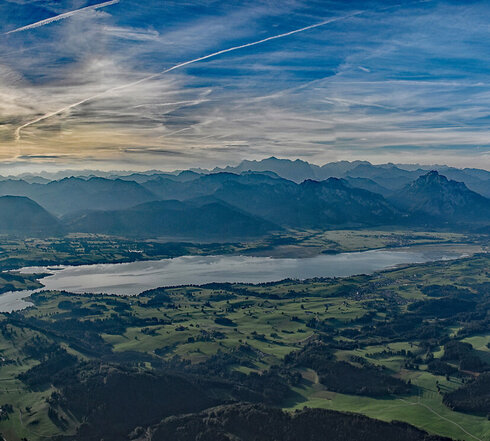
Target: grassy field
{"x": 17, "y": 282}
{"x": 316, "y": 242}
{"x": 30, "y": 416}
{"x": 424, "y": 409}
{"x": 273, "y": 319}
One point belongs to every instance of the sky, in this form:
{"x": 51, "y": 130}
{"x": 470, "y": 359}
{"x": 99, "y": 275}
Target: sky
{"x": 127, "y": 84}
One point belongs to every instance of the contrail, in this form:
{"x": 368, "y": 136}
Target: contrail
{"x": 177, "y": 66}
{"x": 62, "y": 16}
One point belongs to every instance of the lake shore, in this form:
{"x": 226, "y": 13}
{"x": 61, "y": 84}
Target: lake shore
{"x": 135, "y": 277}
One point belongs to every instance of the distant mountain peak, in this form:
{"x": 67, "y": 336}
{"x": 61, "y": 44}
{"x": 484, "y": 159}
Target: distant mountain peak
{"x": 434, "y": 175}
{"x": 434, "y": 195}
{"x": 329, "y": 182}
{"x": 433, "y": 180}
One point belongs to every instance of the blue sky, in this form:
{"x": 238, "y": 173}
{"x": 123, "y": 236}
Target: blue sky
{"x": 384, "y": 81}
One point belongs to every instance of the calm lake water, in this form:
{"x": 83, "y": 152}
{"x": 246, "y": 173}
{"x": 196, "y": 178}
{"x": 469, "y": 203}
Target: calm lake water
{"x": 133, "y": 278}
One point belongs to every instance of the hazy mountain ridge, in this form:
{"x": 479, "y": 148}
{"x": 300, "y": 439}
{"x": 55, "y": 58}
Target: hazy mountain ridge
{"x": 206, "y": 185}
{"x": 20, "y": 215}
{"x": 383, "y": 174}
{"x": 252, "y": 203}
{"x": 73, "y": 194}
{"x": 296, "y": 170}
{"x": 173, "y": 219}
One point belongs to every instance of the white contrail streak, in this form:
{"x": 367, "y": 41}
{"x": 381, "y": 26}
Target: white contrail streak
{"x": 177, "y": 66}
{"x": 62, "y": 16}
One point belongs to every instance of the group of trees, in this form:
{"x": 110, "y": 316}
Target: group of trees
{"x": 248, "y": 422}
{"x": 344, "y": 377}
{"x": 464, "y": 354}
{"x": 472, "y": 397}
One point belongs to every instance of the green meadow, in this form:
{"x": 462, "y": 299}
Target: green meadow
{"x": 192, "y": 324}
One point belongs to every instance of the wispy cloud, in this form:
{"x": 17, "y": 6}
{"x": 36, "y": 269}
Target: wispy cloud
{"x": 177, "y": 66}
{"x": 380, "y": 85}
{"x": 62, "y": 16}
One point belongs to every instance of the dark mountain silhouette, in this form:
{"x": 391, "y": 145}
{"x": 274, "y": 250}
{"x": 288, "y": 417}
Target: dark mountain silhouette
{"x": 21, "y": 216}
{"x": 210, "y": 220}
{"x": 328, "y": 203}
{"x": 389, "y": 176}
{"x": 414, "y": 197}
{"x": 432, "y": 197}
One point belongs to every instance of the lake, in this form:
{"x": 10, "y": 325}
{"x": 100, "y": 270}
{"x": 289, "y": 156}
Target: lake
{"x": 135, "y": 277}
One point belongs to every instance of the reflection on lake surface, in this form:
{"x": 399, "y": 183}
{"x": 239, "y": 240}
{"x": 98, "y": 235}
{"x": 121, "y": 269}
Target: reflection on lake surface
{"x": 135, "y": 277}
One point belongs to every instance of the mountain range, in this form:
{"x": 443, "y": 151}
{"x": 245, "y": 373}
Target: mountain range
{"x": 70, "y": 194}
{"x": 250, "y": 200}
{"x": 389, "y": 176}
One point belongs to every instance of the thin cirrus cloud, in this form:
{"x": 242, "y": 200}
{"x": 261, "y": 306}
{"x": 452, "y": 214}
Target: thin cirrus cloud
{"x": 62, "y": 16}
{"x": 388, "y": 84}
{"x": 177, "y": 66}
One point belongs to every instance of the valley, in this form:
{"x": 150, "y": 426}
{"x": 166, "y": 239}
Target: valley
{"x": 155, "y": 306}
{"x": 390, "y": 325}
